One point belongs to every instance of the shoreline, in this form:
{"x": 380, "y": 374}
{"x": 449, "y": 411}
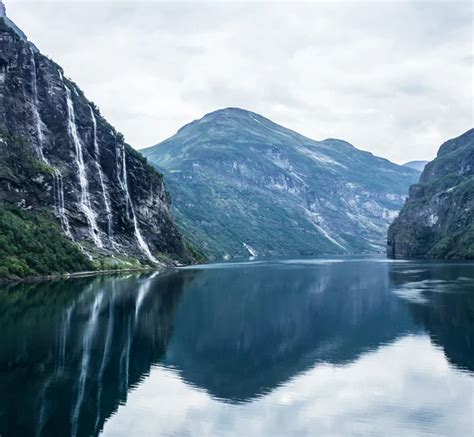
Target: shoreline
{"x": 86, "y": 274}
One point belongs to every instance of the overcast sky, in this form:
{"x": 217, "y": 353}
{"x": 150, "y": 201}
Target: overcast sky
{"x": 392, "y": 78}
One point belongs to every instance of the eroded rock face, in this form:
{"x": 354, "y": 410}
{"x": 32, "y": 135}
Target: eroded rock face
{"x": 437, "y": 220}
{"x": 58, "y": 152}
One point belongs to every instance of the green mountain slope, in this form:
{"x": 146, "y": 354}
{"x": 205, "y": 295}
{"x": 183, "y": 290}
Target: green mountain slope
{"x": 242, "y": 185}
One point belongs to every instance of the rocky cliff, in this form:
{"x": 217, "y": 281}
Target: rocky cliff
{"x": 437, "y": 220}
{"x": 243, "y": 185}
{"x": 60, "y": 156}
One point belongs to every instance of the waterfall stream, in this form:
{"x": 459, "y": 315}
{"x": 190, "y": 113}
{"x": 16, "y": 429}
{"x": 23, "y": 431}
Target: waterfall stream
{"x": 58, "y": 186}
{"x": 85, "y": 202}
{"x": 130, "y": 208}
{"x": 36, "y": 115}
{"x": 105, "y": 194}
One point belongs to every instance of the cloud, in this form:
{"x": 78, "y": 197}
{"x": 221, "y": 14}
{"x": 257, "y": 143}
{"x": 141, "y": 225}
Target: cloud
{"x": 392, "y": 78}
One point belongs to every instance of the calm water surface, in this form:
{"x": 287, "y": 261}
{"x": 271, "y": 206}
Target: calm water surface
{"x": 308, "y": 347}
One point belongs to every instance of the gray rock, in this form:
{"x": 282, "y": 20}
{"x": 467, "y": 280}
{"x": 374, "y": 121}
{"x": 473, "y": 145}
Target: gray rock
{"x": 437, "y": 220}
{"x": 58, "y": 153}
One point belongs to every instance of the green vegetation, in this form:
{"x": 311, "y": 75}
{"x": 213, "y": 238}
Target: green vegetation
{"x": 32, "y": 244}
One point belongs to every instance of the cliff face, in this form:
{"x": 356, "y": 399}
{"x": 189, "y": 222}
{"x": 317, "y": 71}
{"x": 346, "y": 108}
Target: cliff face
{"x": 57, "y": 153}
{"x": 437, "y": 220}
{"x": 243, "y": 185}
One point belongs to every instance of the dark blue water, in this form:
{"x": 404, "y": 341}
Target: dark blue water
{"x": 305, "y": 347}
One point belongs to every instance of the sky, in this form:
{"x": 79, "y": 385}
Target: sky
{"x": 393, "y": 78}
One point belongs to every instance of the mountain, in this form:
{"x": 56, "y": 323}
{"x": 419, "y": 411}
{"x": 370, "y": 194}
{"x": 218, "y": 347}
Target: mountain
{"x": 61, "y": 163}
{"x": 437, "y": 220}
{"x": 242, "y": 185}
{"x": 417, "y": 165}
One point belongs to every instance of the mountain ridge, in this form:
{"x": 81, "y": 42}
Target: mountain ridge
{"x": 233, "y": 159}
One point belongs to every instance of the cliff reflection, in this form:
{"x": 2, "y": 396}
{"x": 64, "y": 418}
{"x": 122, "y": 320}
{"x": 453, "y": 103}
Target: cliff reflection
{"x": 72, "y": 349}
{"x": 441, "y": 300}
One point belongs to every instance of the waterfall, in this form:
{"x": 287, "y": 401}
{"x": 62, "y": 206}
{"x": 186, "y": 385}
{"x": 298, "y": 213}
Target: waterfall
{"x": 87, "y": 345}
{"x": 58, "y": 194}
{"x": 129, "y": 204}
{"x": 85, "y": 202}
{"x": 58, "y": 187}
{"x": 105, "y": 194}
{"x": 36, "y": 115}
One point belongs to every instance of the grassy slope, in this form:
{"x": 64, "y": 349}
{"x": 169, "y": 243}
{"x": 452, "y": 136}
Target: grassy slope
{"x": 32, "y": 244}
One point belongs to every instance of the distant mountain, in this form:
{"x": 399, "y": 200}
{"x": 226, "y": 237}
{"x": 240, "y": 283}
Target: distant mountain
{"x": 417, "y": 165}
{"x": 66, "y": 172}
{"x": 438, "y": 219}
{"x": 243, "y": 185}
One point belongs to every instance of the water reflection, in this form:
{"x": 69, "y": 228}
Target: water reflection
{"x": 242, "y": 332}
{"x": 249, "y": 336}
{"x": 71, "y": 350}
{"x": 440, "y": 297}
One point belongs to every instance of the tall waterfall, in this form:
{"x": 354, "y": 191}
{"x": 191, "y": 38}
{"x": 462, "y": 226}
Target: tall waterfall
{"x": 105, "y": 194}
{"x": 36, "y": 115}
{"x": 58, "y": 186}
{"x": 124, "y": 184}
{"x": 85, "y": 202}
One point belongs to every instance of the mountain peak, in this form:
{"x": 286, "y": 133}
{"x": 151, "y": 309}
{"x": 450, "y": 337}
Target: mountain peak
{"x": 243, "y": 169}
{"x": 12, "y": 26}
{"x": 229, "y": 117}
{"x": 231, "y": 110}
{"x": 231, "y": 113}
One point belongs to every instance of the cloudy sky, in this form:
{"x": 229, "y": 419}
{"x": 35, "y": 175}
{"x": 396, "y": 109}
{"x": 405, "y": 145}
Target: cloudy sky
{"x": 394, "y": 78}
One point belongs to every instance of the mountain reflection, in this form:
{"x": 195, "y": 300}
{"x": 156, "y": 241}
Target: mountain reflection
{"x": 72, "y": 350}
{"x": 441, "y": 299}
{"x": 239, "y": 333}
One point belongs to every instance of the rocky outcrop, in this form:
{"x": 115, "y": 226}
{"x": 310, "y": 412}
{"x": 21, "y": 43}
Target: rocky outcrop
{"x": 437, "y": 220}
{"x": 243, "y": 185}
{"x": 58, "y": 153}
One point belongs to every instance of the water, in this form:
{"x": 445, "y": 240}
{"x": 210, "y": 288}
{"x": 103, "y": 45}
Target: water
{"x": 130, "y": 208}
{"x": 58, "y": 187}
{"x": 84, "y": 200}
{"x": 105, "y": 193}
{"x": 307, "y": 347}
{"x": 35, "y": 110}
